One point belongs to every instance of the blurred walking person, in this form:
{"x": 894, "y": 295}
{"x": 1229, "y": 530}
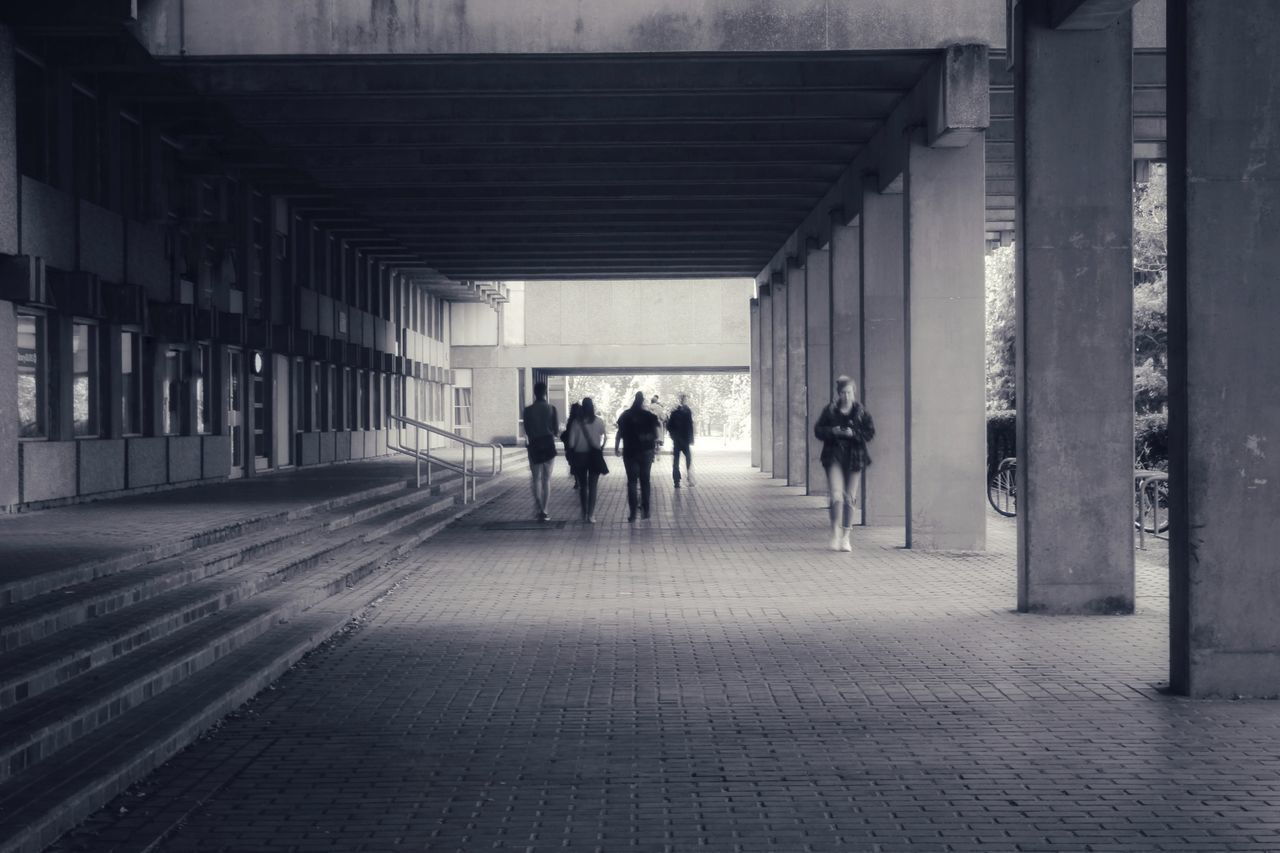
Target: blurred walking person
{"x": 844, "y": 427}
{"x": 637, "y": 435}
{"x": 586, "y": 438}
{"x": 575, "y": 412}
{"x": 541, "y": 428}
{"x": 680, "y": 428}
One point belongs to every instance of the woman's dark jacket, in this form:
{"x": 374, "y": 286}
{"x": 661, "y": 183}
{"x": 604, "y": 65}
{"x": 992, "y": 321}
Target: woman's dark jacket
{"x": 849, "y": 452}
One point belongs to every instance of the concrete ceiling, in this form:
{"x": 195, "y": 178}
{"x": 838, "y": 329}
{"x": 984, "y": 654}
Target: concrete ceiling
{"x": 586, "y": 165}
{"x": 593, "y": 166}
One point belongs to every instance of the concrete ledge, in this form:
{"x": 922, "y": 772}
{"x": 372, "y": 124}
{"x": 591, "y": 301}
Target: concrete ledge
{"x": 101, "y": 466}
{"x": 328, "y": 447}
{"x": 341, "y": 446}
{"x": 185, "y": 461}
{"x": 148, "y": 462}
{"x": 308, "y": 448}
{"x": 216, "y": 453}
{"x": 380, "y": 440}
{"x": 48, "y": 470}
{"x": 355, "y": 446}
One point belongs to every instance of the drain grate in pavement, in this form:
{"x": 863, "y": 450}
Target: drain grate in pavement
{"x": 523, "y": 525}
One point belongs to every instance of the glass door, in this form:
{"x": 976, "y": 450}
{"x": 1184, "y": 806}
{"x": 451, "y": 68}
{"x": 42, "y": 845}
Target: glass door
{"x": 261, "y": 414}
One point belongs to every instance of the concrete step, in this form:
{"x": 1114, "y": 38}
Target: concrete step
{"x": 13, "y": 592}
{"x": 55, "y": 659}
{"x": 30, "y": 620}
{"x": 95, "y": 717}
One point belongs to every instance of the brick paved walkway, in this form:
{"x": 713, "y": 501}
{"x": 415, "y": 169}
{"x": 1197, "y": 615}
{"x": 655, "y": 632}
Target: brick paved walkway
{"x": 713, "y": 679}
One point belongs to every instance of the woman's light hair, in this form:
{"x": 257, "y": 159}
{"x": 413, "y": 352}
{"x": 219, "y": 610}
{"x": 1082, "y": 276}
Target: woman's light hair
{"x": 842, "y": 381}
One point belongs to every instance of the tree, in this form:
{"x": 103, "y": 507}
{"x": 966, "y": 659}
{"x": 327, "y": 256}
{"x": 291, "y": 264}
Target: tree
{"x": 1001, "y": 330}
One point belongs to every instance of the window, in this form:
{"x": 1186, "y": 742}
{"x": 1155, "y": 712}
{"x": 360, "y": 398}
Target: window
{"x": 130, "y": 383}
{"x": 349, "y": 397}
{"x": 204, "y": 389}
{"x": 377, "y": 400}
{"x": 313, "y": 422}
{"x": 462, "y": 411}
{"x": 363, "y": 403}
{"x": 87, "y": 147}
{"x": 331, "y": 400}
{"x": 299, "y": 395}
{"x": 172, "y": 392}
{"x": 84, "y": 379}
{"x": 132, "y": 176}
{"x": 34, "y": 122}
{"x": 31, "y": 366}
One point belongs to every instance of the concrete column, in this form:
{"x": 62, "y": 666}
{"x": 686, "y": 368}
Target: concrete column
{"x": 797, "y": 393}
{"x": 846, "y": 313}
{"x": 8, "y": 145}
{"x": 1074, "y": 368}
{"x": 884, "y": 363}
{"x": 766, "y": 378}
{"x": 1224, "y": 362}
{"x": 8, "y": 406}
{"x": 817, "y": 363}
{"x": 946, "y": 347}
{"x": 780, "y": 396}
{"x": 755, "y": 383}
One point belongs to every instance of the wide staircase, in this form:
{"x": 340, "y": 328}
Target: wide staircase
{"x": 107, "y": 672}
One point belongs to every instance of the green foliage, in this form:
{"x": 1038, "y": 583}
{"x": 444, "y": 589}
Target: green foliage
{"x": 1001, "y": 435}
{"x": 1001, "y": 329}
{"x": 1151, "y": 440}
{"x": 1150, "y": 323}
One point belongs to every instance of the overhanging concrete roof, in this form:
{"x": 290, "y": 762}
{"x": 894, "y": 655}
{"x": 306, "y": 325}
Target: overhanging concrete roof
{"x": 639, "y": 138}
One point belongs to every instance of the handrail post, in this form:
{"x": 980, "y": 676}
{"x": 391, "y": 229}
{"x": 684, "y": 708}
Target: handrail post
{"x": 417, "y": 460}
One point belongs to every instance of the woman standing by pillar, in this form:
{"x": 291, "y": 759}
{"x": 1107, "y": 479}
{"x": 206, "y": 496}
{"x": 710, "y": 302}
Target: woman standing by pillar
{"x": 844, "y": 427}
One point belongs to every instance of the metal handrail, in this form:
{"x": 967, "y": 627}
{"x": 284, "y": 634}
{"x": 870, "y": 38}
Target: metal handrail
{"x": 468, "y": 467}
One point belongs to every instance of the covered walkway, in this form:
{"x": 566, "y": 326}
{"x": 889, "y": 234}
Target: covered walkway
{"x": 713, "y": 679}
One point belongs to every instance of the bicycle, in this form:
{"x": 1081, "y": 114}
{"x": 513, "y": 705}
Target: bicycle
{"x": 1002, "y": 487}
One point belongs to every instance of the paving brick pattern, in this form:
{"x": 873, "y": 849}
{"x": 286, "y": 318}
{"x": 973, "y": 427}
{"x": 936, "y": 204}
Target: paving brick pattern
{"x": 712, "y": 679}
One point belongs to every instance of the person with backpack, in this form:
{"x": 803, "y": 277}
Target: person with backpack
{"x": 637, "y": 436}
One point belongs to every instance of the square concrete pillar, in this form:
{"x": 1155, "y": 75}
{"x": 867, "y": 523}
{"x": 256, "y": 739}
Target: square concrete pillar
{"x": 884, "y": 362}
{"x": 817, "y": 361}
{"x": 946, "y": 347}
{"x": 8, "y": 406}
{"x": 1074, "y": 366}
{"x": 846, "y": 312}
{"x": 797, "y": 392}
{"x": 1224, "y": 361}
{"x": 8, "y": 145}
{"x": 780, "y": 395}
{"x": 755, "y": 383}
{"x": 766, "y": 377}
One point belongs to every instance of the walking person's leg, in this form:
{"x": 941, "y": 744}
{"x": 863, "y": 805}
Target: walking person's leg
{"x": 633, "y": 482}
{"x": 646, "y": 465}
{"x": 580, "y": 482}
{"x": 675, "y": 463}
{"x": 592, "y": 481}
{"x": 851, "y": 483}
{"x": 688, "y": 464}
{"x": 535, "y": 487}
{"x": 542, "y": 486}
{"x": 835, "y": 496}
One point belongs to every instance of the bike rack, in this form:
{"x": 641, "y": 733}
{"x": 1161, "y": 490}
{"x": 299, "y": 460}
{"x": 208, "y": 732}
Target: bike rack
{"x": 1143, "y": 480}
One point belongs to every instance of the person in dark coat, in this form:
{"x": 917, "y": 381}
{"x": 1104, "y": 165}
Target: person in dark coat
{"x": 844, "y": 428}
{"x": 575, "y": 413}
{"x": 638, "y": 436}
{"x": 680, "y": 428}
